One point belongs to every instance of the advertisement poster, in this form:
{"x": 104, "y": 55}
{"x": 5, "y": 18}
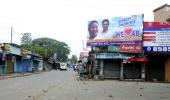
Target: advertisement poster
{"x": 156, "y": 37}
{"x": 117, "y": 31}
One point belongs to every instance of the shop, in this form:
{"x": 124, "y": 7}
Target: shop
{"x": 156, "y": 67}
{"x": 135, "y": 68}
{"x": 132, "y": 71}
{"x": 111, "y": 65}
{"x": 157, "y": 48}
{"x": 18, "y": 64}
{"x": 2, "y": 64}
{"x": 26, "y": 61}
{"x": 9, "y": 55}
{"x": 111, "y": 68}
{"x": 37, "y": 62}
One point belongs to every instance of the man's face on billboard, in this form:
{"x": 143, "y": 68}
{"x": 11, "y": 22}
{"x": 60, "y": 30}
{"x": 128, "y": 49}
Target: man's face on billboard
{"x": 94, "y": 28}
{"x": 105, "y": 26}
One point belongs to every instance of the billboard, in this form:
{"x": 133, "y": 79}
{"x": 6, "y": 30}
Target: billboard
{"x": 117, "y": 31}
{"x": 156, "y": 37}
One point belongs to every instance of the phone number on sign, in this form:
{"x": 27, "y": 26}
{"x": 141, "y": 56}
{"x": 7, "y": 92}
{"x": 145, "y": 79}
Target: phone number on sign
{"x": 158, "y": 49}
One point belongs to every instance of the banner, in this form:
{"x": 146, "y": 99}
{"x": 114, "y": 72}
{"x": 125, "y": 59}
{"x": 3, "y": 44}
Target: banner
{"x": 156, "y": 37}
{"x": 116, "y": 31}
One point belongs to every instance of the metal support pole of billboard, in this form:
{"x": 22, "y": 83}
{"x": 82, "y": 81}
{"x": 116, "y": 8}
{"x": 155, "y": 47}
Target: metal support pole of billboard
{"x": 143, "y": 67}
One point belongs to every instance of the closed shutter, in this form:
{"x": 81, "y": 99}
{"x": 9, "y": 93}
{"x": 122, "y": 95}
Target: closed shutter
{"x": 132, "y": 71}
{"x": 111, "y": 68}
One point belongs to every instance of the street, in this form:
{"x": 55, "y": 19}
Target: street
{"x": 62, "y": 85}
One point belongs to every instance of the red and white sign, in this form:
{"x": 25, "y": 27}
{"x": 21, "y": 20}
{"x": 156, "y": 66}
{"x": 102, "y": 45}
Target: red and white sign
{"x": 137, "y": 60}
{"x": 154, "y": 35}
{"x": 157, "y": 38}
{"x": 130, "y": 48}
{"x": 156, "y": 24}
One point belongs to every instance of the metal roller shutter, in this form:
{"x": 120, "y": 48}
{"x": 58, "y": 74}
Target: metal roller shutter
{"x": 111, "y": 68}
{"x": 132, "y": 71}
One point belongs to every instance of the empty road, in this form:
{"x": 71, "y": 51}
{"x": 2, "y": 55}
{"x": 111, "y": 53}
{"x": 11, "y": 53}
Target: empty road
{"x": 62, "y": 85}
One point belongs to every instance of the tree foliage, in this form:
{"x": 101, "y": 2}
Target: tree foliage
{"x": 26, "y": 41}
{"x": 48, "y": 47}
{"x": 73, "y": 59}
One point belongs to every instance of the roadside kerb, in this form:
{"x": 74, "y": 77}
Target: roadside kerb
{"x": 6, "y": 76}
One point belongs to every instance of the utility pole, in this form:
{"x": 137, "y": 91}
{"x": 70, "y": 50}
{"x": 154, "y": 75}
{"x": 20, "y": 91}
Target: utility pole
{"x": 45, "y": 64}
{"x": 46, "y": 47}
{"x": 11, "y": 33}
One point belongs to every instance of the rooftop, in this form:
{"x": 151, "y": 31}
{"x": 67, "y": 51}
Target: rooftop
{"x": 165, "y": 5}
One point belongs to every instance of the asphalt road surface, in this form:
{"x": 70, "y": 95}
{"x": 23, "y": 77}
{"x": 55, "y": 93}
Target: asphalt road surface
{"x": 62, "y": 85}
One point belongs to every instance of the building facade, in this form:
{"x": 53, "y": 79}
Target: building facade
{"x": 13, "y": 59}
{"x": 153, "y": 63}
{"x": 162, "y": 13}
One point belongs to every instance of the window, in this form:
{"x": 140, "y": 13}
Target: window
{"x": 168, "y": 20}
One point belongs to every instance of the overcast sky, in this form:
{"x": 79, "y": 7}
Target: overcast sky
{"x": 65, "y": 20}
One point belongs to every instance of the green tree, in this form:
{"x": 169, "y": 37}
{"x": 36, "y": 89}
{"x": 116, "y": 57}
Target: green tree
{"x": 26, "y": 41}
{"x": 73, "y": 59}
{"x": 47, "y": 47}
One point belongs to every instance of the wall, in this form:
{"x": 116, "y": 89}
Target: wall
{"x": 18, "y": 65}
{"x": 10, "y": 65}
{"x": 26, "y": 64}
{"x": 162, "y": 14}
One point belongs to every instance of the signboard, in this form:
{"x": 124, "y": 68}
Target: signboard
{"x": 15, "y": 50}
{"x": 113, "y": 56}
{"x": 130, "y": 48}
{"x": 137, "y": 60}
{"x": 156, "y": 37}
{"x": 116, "y": 31}
{"x": 156, "y": 25}
{"x": 114, "y": 48}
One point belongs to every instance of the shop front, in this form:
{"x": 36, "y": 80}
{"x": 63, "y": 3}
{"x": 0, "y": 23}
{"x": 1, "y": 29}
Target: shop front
{"x": 135, "y": 68}
{"x": 111, "y": 68}
{"x": 156, "y": 67}
{"x": 132, "y": 71}
{"x": 157, "y": 48}
{"x": 111, "y": 64}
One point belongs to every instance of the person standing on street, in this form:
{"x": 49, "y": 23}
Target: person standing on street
{"x": 79, "y": 69}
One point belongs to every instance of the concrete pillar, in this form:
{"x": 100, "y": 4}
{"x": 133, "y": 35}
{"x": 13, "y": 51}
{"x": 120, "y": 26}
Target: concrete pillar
{"x": 143, "y": 71}
{"x": 95, "y": 67}
{"x": 101, "y": 65}
{"x": 121, "y": 71}
{"x": 90, "y": 70}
